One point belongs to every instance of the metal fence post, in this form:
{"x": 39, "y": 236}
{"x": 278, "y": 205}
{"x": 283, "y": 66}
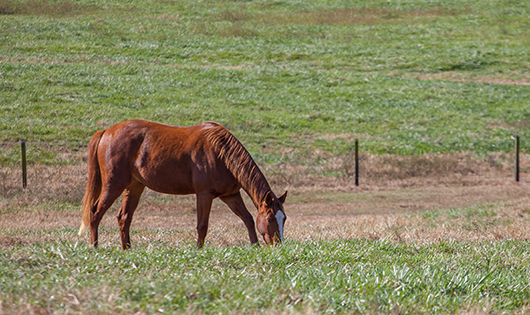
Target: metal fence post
{"x": 517, "y": 150}
{"x": 356, "y": 162}
{"x": 24, "y": 170}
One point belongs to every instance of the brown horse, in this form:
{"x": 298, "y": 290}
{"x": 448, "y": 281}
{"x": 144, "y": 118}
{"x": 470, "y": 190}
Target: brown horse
{"x": 205, "y": 160}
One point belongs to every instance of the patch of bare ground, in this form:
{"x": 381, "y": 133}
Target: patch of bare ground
{"x": 509, "y": 79}
{"x": 488, "y": 309}
{"x": 338, "y": 16}
{"x": 404, "y": 199}
{"x": 43, "y": 7}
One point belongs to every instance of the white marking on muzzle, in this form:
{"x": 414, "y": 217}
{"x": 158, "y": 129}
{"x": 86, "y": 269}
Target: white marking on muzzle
{"x": 280, "y": 217}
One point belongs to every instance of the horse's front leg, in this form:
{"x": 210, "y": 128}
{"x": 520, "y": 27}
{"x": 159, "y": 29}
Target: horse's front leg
{"x": 237, "y": 205}
{"x": 204, "y": 206}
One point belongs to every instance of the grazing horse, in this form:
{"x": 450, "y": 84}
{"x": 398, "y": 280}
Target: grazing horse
{"x": 205, "y": 160}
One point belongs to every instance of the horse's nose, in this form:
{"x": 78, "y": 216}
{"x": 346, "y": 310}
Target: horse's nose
{"x": 272, "y": 241}
{"x": 277, "y": 240}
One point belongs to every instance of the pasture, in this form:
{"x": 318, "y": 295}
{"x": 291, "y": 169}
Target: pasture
{"x": 433, "y": 90}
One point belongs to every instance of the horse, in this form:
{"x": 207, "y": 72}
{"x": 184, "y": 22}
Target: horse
{"x": 205, "y": 160}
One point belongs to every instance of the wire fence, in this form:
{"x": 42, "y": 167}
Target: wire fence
{"x": 62, "y": 145}
{"x": 58, "y": 145}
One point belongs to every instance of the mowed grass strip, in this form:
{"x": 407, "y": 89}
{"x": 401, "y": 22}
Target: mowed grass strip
{"x": 346, "y": 276}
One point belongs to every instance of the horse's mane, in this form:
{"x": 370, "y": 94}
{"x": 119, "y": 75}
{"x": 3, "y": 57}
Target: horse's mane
{"x": 239, "y": 162}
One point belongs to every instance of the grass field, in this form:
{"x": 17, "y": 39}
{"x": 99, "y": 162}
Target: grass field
{"x": 433, "y": 89}
{"x": 287, "y": 77}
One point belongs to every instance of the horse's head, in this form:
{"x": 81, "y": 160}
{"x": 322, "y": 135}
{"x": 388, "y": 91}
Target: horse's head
{"x": 271, "y": 218}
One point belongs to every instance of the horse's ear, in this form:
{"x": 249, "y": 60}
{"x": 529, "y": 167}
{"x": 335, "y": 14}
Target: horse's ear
{"x": 268, "y": 198}
{"x": 283, "y": 197}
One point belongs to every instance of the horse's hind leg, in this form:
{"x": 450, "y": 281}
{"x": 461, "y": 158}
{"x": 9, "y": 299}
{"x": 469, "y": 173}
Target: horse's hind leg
{"x": 106, "y": 199}
{"x": 131, "y": 197}
{"x": 236, "y": 204}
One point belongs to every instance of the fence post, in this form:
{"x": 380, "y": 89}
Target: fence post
{"x": 517, "y": 150}
{"x": 24, "y": 170}
{"x": 356, "y": 162}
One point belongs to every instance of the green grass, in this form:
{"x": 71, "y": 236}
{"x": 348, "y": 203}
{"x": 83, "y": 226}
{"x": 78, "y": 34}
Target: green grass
{"x": 286, "y": 77}
{"x": 350, "y": 276}
{"x": 471, "y": 212}
{"x": 280, "y": 75}
{"x": 475, "y": 218}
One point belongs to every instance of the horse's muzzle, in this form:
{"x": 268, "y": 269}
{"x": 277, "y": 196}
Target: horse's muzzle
{"x": 272, "y": 241}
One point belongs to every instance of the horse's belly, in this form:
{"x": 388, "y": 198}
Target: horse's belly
{"x": 182, "y": 181}
{"x": 173, "y": 190}
{"x": 168, "y": 180}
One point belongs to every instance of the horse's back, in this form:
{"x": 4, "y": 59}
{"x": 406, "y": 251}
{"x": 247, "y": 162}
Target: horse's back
{"x": 169, "y": 159}
{"x": 131, "y": 135}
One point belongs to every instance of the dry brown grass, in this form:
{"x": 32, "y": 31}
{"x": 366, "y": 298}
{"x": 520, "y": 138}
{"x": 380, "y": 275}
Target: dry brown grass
{"x": 236, "y": 23}
{"x": 496, "y": 78}
{"x": 383, "y": 171}
{"x": 42, "y": 7}
{"x": 394, "y": 194}
{"x": 340, "y": 16}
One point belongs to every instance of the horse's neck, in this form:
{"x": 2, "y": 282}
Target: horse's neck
{"x": 257, "y": 188}
{"x": 239, "y": 163}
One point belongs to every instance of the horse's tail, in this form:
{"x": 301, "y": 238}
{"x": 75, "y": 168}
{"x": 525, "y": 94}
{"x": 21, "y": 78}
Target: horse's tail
{"x": 93, "y": 189}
